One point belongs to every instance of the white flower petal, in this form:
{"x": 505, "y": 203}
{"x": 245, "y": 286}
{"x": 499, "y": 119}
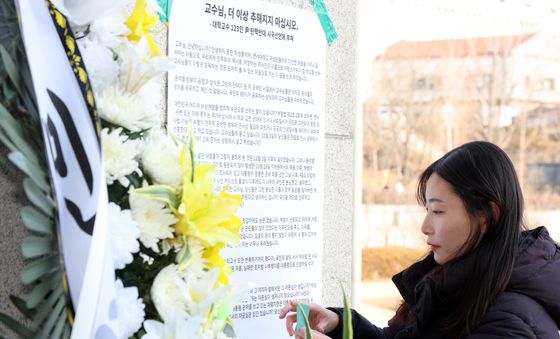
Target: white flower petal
{"x": 196, "y": 266}
{"x": 176, "y": 327}
{"x": 154, "y": 220}
{"x": 101, "y": 67}
{"x": 166, "y": 293}
{"x": 130, "y": 309}
{"x": 124, "y": 232}
{"x": 133, "y": 111}
{"x": 154, "y": 330}
{"x": 161, "y": 159}
{"x": 138, "y": 66}
{"x": 201, "y": 293}
{"x": 82, "y": 12}
{"x": 119, "y": 155}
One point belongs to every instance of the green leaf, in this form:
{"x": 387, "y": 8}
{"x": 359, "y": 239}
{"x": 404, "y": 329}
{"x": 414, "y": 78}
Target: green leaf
{"x": 347, "y": 332}
{"x": 191, "y": 152}
{"x": 45, "y": 308}
{"x": 10, "y": 67}
{"x": 20, "y": 305}
{"x": 119, "y": 195}
{"x": 8, "y": 92}
{"x": 29, "y": 98}
{"x": 42, "y": 289}
{"x": 32, "y": 247}
{"x": 59, "y": 327}
{"x": 8, "y": 122}
{"x": 135, "y": 180}
{"x": 308, "y": 334}
{"x": 36, "y": 221}
{"x": 15, "y": 326}
{"x": 10, "y": 36}
{"x": 37, "y": 197}
{"x": 52, "y": 318}
{"x": 164, "y": 193}
{"x": 184, "y": 256}
{"x": 14, "y": 131}
{"x": 6, "y": 141}
{"x": 38, "y": 268}
{"x": 66, "y": 332}
{"x": 32, "y": 170}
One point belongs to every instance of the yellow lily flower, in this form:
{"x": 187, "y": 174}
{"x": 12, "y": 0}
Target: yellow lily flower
{"x": 202, "y": 213}
{"x": 216, "y": 260}
{"x": 140, "y": 23}
{"x": 213, "y": 253}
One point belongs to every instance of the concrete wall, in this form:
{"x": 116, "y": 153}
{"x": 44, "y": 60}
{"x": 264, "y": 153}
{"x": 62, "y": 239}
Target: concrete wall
{"x": 339, "y": 154}
{"x": 12, "y": 233}
{"x": 339, "y": 171}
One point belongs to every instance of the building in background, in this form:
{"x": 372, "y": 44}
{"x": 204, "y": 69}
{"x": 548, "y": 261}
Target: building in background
{"x": 427, "y": 97}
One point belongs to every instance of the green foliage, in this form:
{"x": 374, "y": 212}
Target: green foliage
{"x": 36, "y": 221}
{"x": 347, "y": 331}
{"x": 118, "y": 194}
{"x": 163, "y": 193}
{"x": 20, "y": 305}
{"x": 20, "y": 132}
{"x": 140, "y": 274}
{"x": 16, "y": 88}
{"x": 15, "y": 326}
{"x": 9, "y": 28}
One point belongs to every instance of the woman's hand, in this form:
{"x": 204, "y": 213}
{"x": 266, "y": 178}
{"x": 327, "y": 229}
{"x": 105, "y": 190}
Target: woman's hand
{"x": 320, "y": 319}
{"x": 300, "y": 334}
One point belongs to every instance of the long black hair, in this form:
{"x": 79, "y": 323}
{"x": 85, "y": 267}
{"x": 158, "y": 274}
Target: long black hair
{"x": 483, "y": 176}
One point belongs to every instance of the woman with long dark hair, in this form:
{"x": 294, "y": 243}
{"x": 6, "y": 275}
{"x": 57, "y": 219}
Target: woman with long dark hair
{"x": 486, "y": 276}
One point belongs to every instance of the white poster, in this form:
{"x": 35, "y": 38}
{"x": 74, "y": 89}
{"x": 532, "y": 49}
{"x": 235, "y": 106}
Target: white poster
{"x": 249, "y": 78}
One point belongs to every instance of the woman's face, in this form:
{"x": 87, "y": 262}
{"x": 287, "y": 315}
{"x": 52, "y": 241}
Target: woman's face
{"x": 447, "y": 223}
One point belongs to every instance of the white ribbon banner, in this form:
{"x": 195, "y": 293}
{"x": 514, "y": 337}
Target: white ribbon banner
{"x": 74, "y": 157}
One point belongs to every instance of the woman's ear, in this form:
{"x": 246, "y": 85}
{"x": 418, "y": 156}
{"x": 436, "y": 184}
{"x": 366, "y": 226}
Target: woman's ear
{"x": 496, "y": 211}
{"x": 496, "y": 216}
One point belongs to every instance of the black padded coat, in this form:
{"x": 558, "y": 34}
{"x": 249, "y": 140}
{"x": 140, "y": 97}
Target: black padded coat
{"x": 528, "y": 308}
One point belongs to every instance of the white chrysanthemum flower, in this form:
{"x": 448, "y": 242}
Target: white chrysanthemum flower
{"x": 124, "y": 235}
{"x": 101, "y": 66}
{"x": 169, "y": 245}
{"x": 130, "y": 310}
{"x": 166, "y": 292}
{"x": 161, "y": 159}
{"x": 194, "y": 265}
{"x": 133, "y": 111}
{"x": 154, "y": 220}
{"x": 119, "y": 155}
{"x": 176, "y": 327}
